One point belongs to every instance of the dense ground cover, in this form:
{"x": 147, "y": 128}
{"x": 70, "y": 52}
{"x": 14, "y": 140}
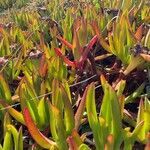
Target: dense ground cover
{"x": 74, "y": 74}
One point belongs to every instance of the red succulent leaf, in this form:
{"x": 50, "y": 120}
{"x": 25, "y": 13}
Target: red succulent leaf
{"x": 58, "y": 52}
{"x": 87, "y": 50}
{"x": 92, "y": 42}
{"x": 71, "y": 143}
{"x": 82, "y": 59}
{"x": 65, "y": 59}
{"x": 34, "y": 131}
{"x": 74, "y": 141}
{"x": 65, "y": 42}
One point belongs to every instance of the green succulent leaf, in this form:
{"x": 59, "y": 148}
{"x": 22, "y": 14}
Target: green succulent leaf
{"x": 8, "y": 143}
{"x": 5, "y": 91}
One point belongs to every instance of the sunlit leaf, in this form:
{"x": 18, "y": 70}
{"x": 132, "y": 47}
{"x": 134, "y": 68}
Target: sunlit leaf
{"x": 20, "y": 139}
{"x": 69, "y": 115}
{"x": 135, "y": 94}
{"x": 14, "y": 132}
{"x": 84, "y": 147}
{"x": 101, "y": 57}
{"x": 92, "y": 116}
{"x": 5, "y": 91}
{"x": 7, "y": 145}
{"x": 43, "y": 112}
{"x": 57, "y": 127}
{"x": 145, "y": 57}
{"x": 111, "y": 112}
{"x": 135, "y": 62}
{"x": 35, "y": 133}
{"x": 14, "y": 113}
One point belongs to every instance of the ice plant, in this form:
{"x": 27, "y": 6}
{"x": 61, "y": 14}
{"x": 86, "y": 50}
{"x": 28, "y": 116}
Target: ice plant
{"x": 74, "y": 75}
{"x": 78, "y": 64}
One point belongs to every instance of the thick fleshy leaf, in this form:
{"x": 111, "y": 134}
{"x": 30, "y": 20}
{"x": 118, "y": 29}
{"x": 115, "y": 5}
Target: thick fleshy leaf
{"x": 90, "y": 102}
{"x": 1, "y": 148}
{"x": 20, "y": 139}
{"x": 8, "y": 143}
{"x": 120, "y": 87}
{"x": 147, "y": 39}
{"x": 35, "y": 133}
{"x": 101, "y": 39}
{"x": 66, "y": 43}
{"x": 57, "y": 127}
{"x": 128, "y": 118}
{"x": 65, "y": 59}
{"x": 145, "y": 57}
{"x": 76, "y": 137}
{"x": 71, "y": 143}
{"x": 110, "y": 142}
{"x": 111, "y": 112}
{"x": 52, "y": 121}
{"x": 76, "y": 40}
{"x": 121, "y": 103}
{"x": 80, "y": 110}
{"x": 56, "y": 94}
{"x": 13, "y": 112}
{"x": 87, "y": 50}
{"x": 101, "y": 57}
{"x": 135, "y": 94}
{"x": 140, "y": 116}
{"x": 130, "y": 138}
{"x": 83, "y": 31}
{"x": 134, "y": 63}
{"x": 117, "y": 124}
{"x": 14, "y": 132}
{"x": 28, "y": 98}
{"x": 5, "y": 91}
{"x": 136, "y": 131}
{"x": 92, "y": 116}
{"x": 43, "y": 113}
{"x": 67, "y": 89}
{"x": 74, "y": 140}
{"x": 143, "y": 116}
{"x": 106, "y": 106}
{"x": 84, "y": 147}
{"x": 7, "y": 120}
{"x": 69, "y": 115}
